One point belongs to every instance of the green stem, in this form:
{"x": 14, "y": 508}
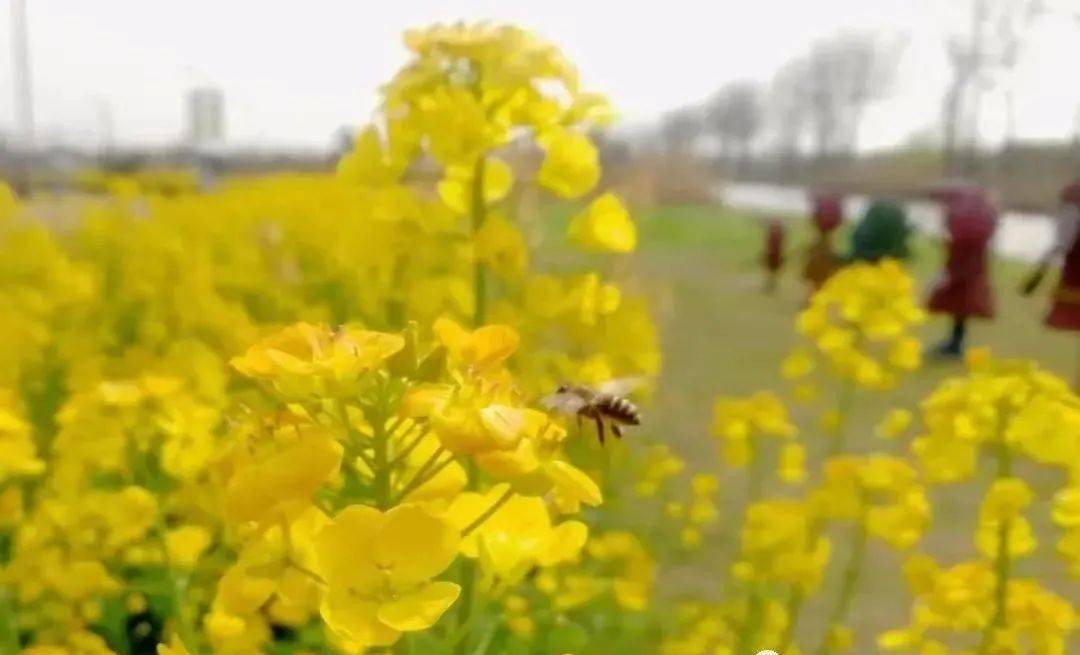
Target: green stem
{"x": 478, "y": 213}
{"x": 399, "y": 458}
{"x": 488, "y": 513}
{"x": 478, "y": 210}
{"x": 486, "y": 640}
{"x": 848, "y": 585}
{"x": 465, "y": 614}
{"x": 184, "y": 629}
{"x": 465, "y": 610}
{"x": 755, "y": 477}
{"x": 837, "y": 447}
{"x": 179, "y": 582}
{"x": 794, "y": 609}
{"x": 381, "y": 468}
{"x": 428, "y": 470}
{"x": 9, "y": 622}
{"x": 846, "y": 396}
{"x": 751, "y": 624}
{"x": 353, "y": 437}
{"x": 1003, "y": 561}
{"x": 755, "y": 484}
{"x": 797, "y": 599}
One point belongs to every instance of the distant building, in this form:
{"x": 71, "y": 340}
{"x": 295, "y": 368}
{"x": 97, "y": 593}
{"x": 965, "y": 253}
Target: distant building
{"x": 205, "y": 116}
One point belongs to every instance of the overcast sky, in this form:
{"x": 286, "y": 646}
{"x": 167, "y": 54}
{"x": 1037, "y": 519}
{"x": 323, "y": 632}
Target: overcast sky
{"x": 294, "y": 72}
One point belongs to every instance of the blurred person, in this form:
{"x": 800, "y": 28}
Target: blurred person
{"x": 962, "y": 290}
{"x": 882, "y": 232}
{"x": 773, "y": 257}
{"x": 821, "y": 259}
{"x": 1065, "y": 310}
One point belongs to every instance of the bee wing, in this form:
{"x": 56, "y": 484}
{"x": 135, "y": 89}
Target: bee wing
{"x": 567, "y": 403}
{"x": 622, "y": 386}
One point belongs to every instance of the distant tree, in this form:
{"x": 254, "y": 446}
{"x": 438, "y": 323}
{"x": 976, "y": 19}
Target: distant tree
{"x": 1069, "y": 10}
{"x": 680, "y": 129}
{"x": 845, "y": 74}
{"x": 1013, "y": 23}
{"x": 614, "y": 150}
{"x": 735, "y": 115}
{"x": 788, "y": 113}
{"x": 986, "y": 50}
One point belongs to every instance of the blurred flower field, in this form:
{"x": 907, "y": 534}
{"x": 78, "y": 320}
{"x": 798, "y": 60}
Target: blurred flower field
{"x": 304, "y": 414}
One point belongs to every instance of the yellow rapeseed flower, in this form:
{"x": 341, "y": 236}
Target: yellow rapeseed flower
{"x": 380, "y": 569}
{"x": 604, "y": 226}
{"x": 572, "y": 164}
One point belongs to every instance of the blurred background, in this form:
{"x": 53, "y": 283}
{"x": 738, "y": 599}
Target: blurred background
{"x": 875, "y": 96}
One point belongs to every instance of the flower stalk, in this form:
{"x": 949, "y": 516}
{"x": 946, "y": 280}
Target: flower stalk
{"x": 848, "y": 585}
{"x": 1002, "y": 561}
{"x": 797, "y": 597}
{"x": 478, "y": 213}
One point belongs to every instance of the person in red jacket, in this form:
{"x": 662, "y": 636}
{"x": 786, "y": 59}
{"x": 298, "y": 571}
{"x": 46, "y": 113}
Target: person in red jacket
{"x": 1065, "y": 311}
{"x": 773, "y": 257}
{"x": 821, "y": 258}
{"x": 963, "y": 288}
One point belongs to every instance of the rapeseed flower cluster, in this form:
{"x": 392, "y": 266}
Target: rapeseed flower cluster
{"x": 299, "y": 412}
{"x": 859, "y": 327}
{"x": 1004, "y": 411}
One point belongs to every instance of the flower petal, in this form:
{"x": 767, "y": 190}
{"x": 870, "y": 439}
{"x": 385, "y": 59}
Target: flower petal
{"x": 415, "y": 545}
{"x": 573, "y": 482}
{"x": 565, "y": 543}
{"x": 356, "y": 620}
{"x": 344, "y": 547}
{"x": 421, "y": 609}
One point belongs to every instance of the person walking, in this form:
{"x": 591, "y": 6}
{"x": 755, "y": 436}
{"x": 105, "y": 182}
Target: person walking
{"x": 882, "y": 232}
{"x": 821, "y": 259}
{"x": 773, "y": 256}
{"x": 1065, "y": 252}
{"x": 963, "y": 290}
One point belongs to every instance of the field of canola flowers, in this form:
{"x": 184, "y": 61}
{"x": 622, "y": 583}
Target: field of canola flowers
{"x": 302, "y": 414}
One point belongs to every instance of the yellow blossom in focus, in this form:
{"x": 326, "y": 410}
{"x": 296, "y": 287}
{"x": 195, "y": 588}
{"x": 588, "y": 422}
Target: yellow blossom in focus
{"x": 277, "y": 477}
{"x": 517, "y": 537}
{"x": 481, "y": 350}
{"x": 380, "y": 566}
{"x": 305, "y": 359}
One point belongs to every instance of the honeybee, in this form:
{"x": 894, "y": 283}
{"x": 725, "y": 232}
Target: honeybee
{"x": 605, "y": 405}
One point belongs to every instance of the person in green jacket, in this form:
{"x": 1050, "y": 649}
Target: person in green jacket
{"x": 881, "y": 233}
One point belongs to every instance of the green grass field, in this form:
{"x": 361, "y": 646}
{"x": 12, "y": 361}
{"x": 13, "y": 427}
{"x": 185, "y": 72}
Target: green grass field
{"x": 722, "y": 335}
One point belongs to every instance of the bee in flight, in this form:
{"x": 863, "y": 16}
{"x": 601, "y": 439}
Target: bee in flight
{"x": 605, "y": 405}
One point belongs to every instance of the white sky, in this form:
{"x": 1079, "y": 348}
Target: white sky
{"x": 294, "y": 72}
